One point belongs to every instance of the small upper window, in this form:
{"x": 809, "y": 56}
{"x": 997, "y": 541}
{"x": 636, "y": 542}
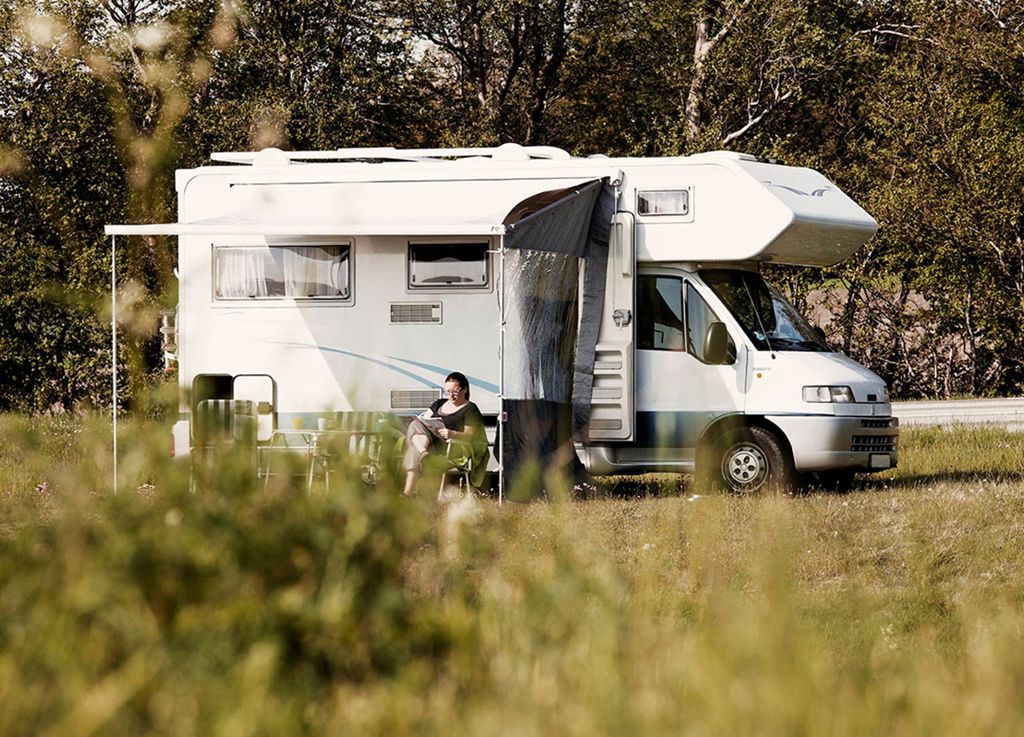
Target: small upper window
{"x": 444, "y": 265}
{"x": 663, "y": 202}
{"x": 278, "y": 272}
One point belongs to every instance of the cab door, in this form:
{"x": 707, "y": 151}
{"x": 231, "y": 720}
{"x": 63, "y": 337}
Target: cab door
{"x": 678, "y": 393}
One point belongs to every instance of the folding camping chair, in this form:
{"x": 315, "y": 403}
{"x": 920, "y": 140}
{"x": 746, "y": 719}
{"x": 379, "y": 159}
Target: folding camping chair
{"x": 458, "y": 463}
{"x": 222, "y": 427}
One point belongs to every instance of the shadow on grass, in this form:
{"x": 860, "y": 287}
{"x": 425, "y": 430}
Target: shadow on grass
{"x": 682, "y": 485}
{"x": 926, "y": 479}
{"x": 640, "y": 485}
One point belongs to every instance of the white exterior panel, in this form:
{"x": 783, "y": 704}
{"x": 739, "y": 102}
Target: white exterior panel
{"x": 336, "y": 355}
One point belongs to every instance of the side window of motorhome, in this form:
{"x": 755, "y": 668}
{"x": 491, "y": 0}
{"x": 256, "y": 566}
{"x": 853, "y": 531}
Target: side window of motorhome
{"x": 660, "y": 310}
{"x": 698, "y": 317}
{"x": 282, "y": 271}
{"x": 663, "y": 202}
{"x": 447, "y": 265}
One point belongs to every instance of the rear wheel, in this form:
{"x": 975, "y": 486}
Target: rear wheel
{"x": 749, "y": 461}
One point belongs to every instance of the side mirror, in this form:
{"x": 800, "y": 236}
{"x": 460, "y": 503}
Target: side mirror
{"x": 821, "y": 334}
{"x": 716, "y": 344}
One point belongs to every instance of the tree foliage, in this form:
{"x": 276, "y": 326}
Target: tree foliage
{"x": 914, "y": 107}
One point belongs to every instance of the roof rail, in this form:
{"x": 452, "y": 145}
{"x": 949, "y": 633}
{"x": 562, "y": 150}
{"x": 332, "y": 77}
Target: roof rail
{"x": 504, "y": 152}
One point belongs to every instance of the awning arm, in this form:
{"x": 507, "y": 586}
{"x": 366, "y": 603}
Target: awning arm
{"x": 113, "y": 345}
{"x": 324, "y": 229}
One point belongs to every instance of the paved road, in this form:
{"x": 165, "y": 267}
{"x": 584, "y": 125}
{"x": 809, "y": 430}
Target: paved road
{"x": 1004, "y": 412}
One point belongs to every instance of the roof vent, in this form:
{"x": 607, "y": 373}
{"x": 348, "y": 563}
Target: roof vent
{"x": 510, "y": 152}
{"x": 271, "y": 157}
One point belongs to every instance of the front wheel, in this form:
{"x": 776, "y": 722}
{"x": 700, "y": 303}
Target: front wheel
{"x": 751, "y": 460}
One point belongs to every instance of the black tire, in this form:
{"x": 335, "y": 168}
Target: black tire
{"x": 751, "y": 460}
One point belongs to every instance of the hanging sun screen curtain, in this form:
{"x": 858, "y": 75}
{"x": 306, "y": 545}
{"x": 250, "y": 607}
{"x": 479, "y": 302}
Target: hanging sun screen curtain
{"x": 550, "y": 334}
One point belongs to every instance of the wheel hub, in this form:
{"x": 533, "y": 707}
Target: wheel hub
{"x": 745, "y": 467}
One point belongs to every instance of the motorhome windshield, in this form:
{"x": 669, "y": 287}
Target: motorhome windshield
{"x": 767, "y": 318}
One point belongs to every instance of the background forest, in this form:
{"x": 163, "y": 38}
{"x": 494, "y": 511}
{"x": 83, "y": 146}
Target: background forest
{"x": 914, "y": 107}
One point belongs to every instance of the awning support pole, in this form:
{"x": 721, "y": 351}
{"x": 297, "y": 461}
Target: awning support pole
{"x": 501, "y": 374}
{"x": 113, "y": 345}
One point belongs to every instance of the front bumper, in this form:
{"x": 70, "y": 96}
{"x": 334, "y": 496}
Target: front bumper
{"x": 829, "y": 443}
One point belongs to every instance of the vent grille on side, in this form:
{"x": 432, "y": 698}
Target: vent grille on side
{"x": 421, "y": 313}
{"x": 417, "y": 399}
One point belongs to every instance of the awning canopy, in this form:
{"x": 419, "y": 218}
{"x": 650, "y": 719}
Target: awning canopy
{"x": 457, "y": 208}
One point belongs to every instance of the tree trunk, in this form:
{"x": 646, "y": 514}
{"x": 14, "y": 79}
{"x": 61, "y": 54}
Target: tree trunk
{"x": 546, "y": 74}
{"x": 695, "y": 96}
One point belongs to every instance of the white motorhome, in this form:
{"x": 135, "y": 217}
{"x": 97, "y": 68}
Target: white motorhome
{"x": 317, "y": 284}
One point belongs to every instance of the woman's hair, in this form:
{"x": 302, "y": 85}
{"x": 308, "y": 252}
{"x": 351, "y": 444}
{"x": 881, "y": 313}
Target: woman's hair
{"x": 460, "y": 379}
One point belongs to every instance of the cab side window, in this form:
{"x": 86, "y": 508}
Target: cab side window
{"x": 698, "y": 317}
{"x": 660, "y": 313}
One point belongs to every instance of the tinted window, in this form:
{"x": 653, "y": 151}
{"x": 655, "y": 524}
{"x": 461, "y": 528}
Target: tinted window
{"x": 764, "y": 314}
{"x": 660, "y": 313}
{"x": 698, "y": 317}
{"x": 442, "y": 265}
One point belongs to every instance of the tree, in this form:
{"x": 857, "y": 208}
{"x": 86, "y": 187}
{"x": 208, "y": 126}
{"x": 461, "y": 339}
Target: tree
{"x": 502, "y": 61}
{"x": 305, "y": 75}
{"x": 52, "y": 206}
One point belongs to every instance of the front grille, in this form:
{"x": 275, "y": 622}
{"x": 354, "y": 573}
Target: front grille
{"x": 877, "y": 424}
{"x": 873, "y": 444}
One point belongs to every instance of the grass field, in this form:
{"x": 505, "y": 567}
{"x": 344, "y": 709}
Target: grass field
{"x": 896, "y": 608}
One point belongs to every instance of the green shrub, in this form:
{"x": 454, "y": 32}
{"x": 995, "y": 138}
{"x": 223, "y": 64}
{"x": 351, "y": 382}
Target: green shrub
{"x": 247, "y": 609}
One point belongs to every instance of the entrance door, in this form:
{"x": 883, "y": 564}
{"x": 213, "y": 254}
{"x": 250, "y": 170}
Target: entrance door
{"x": 612, "y": 402}
{"x": 258, "y": 388}
{"x": 678, "y": 393}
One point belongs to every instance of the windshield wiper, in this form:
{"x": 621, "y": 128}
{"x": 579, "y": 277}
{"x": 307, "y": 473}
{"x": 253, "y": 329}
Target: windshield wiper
{"x": 810, "y": 345}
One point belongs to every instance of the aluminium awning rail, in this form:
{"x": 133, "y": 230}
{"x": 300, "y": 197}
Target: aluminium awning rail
{"x": 304, "y": 228}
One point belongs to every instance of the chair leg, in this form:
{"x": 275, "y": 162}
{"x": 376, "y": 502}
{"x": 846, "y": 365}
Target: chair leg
{"x": 309, "y": 473}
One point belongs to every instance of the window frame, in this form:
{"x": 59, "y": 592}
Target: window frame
{"x": 658, "y": 218}
{"x": 686, "y": 284}
{"x": 689, "y": 285}
{"x": 283, "y": 300}
{"x": 486, "y": 243}
{"x": 647, "y": 319}
{"x": 663, "y": 190}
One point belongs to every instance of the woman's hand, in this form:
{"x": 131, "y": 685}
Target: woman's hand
{"x": 445, "y": 433}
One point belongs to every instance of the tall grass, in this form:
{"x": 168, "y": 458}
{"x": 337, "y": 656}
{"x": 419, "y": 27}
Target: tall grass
{"x": 894, "y": 609}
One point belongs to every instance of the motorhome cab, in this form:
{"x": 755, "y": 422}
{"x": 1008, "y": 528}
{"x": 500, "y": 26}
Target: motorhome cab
{"x": 622, "y": 292}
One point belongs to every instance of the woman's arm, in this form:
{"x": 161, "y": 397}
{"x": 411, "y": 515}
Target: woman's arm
{"x": 466, "y": 433}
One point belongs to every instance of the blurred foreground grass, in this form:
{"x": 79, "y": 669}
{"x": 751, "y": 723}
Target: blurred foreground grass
{"x": 894, "y": 609}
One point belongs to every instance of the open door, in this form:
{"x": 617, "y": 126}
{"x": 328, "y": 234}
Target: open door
{"x": 259, "y": 389}
{"x": 612, "y": 415}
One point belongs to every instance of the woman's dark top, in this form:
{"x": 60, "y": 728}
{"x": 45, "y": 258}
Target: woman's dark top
{"x": 467, "y": 414}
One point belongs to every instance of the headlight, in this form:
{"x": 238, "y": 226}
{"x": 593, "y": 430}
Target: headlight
{"x": 885, "y": 394}
{"x": 842, "y": 394}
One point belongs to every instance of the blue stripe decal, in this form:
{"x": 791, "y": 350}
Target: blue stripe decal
{"x": 421, "y": 379}
{"x": 672, "y": 429}
{"x": 473, "y": 380}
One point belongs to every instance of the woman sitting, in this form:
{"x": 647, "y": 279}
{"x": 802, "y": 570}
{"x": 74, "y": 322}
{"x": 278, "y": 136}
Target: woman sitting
{"x": 460, "y": 420}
